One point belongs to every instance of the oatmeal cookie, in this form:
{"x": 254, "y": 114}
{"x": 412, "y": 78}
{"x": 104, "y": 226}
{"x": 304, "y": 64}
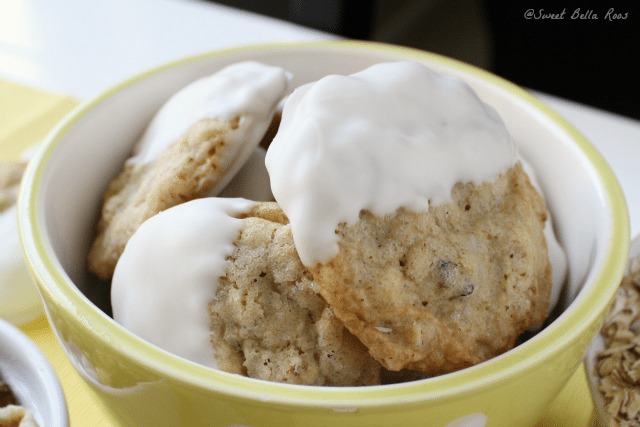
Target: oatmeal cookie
{"x": 186, "y": 171}
{"x": 441, "y": 290}
{"x": 192, "y": 147}
{"x": 268, "y": 321}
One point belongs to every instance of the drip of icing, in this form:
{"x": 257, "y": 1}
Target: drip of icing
{"x": 168, "y": 274}
{"x": 248, "y": 90}
{"x": 393, "y": 135}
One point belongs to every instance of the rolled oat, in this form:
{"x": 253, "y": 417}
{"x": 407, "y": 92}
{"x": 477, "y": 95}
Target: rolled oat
{"x": 618, "y": 365}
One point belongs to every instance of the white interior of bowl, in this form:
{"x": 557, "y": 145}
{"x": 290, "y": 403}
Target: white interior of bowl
{"x": 31, "y": 377}
{"x": 87, "y": 152}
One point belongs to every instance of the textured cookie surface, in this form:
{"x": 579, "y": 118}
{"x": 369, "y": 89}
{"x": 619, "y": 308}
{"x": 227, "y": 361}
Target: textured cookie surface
{"x": 267, "y": 320}
{"x": 16, "y": 416}
{"x": 195, "y": 143}
{"x": 441, "y": 290}
{"x": 185, "y": 171}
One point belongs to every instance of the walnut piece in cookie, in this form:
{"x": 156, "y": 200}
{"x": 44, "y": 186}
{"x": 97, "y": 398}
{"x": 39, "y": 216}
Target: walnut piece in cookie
{"x": 444, "y": 289}
{"x": 268, "y": 320}
{"x": 618, "y": 364}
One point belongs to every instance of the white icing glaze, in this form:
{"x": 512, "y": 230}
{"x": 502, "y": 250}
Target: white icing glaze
{"x": 393, "y": 135}
{"x": 249, "y": 90}
{"x": 168, "y": 274}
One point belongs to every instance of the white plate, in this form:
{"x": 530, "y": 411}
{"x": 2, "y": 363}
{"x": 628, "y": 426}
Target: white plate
{"x": 31, "y": 377}
{"x": 595, "y": 347}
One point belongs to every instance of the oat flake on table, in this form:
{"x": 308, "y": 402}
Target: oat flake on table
{"x": 618, "y": 365}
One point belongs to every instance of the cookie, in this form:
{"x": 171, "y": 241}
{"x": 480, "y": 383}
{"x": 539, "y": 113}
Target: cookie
{"x": 16, "y": 416}
{"x": 268, "y": 320}
{"x": 218, "y": 281}
{"x": 443, "y": 289}
{"x": 193, "y": 146}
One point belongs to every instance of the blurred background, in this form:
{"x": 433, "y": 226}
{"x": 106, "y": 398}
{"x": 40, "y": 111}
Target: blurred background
{"x": 587, "y": 54}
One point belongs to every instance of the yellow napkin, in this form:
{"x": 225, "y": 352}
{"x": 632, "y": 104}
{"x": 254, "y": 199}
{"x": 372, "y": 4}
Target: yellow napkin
{"x": 26, "y": 116}
{"x": 83, "y": 404}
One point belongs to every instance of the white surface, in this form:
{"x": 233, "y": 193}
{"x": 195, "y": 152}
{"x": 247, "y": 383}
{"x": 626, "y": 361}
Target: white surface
{"x": 82, "y": 47}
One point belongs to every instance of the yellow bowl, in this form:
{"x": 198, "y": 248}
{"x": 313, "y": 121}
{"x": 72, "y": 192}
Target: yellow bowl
{"x": 143, "y": 385}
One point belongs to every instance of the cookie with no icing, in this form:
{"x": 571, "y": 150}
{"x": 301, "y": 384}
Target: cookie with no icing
{"x": 268, "y": 320}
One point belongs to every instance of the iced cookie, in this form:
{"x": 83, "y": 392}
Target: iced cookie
{"x": 409, "y": 206}
{"x": 194, "y": 145}
{"x": 223, "y": 286}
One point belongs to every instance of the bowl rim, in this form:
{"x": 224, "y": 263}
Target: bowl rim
{"x": 566, "y": 329}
